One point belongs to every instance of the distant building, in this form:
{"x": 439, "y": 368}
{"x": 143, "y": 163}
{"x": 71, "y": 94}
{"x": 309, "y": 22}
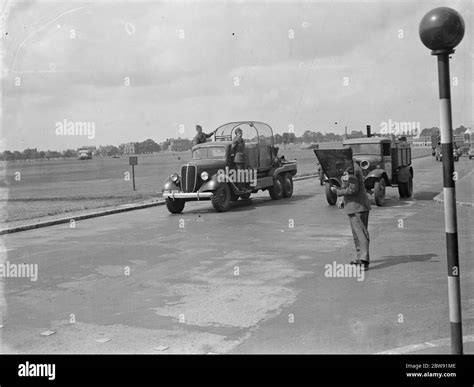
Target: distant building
{"x": 129, "y": 148}
{"x": 180, "y": 145}
{"x": 104, "y": 150}
{"x": 89, "y": 148}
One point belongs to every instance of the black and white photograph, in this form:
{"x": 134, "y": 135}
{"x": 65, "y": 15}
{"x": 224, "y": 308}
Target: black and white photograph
{"x": 243, "y": 177}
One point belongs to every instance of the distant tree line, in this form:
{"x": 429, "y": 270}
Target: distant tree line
{"x": 434, "y": 130}
{"x": 34, "y": 154}
{"x": 150, "y": 146}
{"x": 147, "y": 146}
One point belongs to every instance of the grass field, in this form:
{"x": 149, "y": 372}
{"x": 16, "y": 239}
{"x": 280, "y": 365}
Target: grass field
{"x": 41, "y": 188}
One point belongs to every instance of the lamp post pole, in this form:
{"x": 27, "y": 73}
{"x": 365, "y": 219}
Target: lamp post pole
{"x": 442, "y": 29}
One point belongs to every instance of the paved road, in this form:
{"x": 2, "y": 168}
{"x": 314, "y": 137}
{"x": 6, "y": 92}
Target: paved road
{"x": 252, "y": 280}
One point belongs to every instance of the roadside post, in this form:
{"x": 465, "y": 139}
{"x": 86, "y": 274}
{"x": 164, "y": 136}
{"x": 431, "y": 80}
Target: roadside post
{"x": 442, "y": 29}
{"x": 133, "y": 160}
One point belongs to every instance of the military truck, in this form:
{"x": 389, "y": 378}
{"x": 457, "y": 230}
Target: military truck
{"x": 84, "y": 154}
{"x": 212, "y": 175}
{"x": 385, "y": 162}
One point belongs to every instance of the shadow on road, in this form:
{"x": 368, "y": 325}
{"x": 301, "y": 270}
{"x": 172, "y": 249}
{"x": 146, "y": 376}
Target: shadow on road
{"x": 250, "y": 204}
{"x": 395, "y": 201}
{"x": 400, "y": 259}
{"x": 425, "y": 195}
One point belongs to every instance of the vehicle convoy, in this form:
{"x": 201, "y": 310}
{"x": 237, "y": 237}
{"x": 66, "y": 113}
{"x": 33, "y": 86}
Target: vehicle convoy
{"x": 439, "y": 154}
{"x": 461, "y": 145}
{"x": 385, "y": 162}
{"x": 212, "y": 175}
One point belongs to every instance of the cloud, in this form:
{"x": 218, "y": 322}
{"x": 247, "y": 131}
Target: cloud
{"x": 292, "y": 61}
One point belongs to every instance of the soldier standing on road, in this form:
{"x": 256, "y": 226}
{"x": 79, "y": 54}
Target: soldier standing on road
{"x": 201, "y": 137}
{"x": 237, "y": 149}
{"x": 357, "y": 207}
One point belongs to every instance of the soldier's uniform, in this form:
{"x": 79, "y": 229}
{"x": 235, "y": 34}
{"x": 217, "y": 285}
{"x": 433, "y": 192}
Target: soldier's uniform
{"x": 238, "y": 149}
{"x": 201, "y": 137}
{"x": 357, "y": 207}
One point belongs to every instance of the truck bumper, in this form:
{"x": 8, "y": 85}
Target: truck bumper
{"x": 188, "y": 195}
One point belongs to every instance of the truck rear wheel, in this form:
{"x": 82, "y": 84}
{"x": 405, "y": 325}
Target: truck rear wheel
{"x": 379, "y": 191}
{"x": 287, "y": 186}
{"x": 221, "y": 198}
{"x": 175, "y": 206}
{"x": 405, "y": 190}
{"x": 276, "y": 191}
{"x": 410, "y": 187}
{"x": 331, "y": 197}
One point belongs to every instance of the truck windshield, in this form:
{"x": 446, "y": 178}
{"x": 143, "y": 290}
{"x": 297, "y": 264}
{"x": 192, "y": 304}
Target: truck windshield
{"x": 215, "y": 152}
{"x": 364, "y": 149}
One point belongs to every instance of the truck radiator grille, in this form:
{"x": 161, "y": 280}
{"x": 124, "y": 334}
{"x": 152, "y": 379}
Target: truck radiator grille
{"x": 188, "y": 178}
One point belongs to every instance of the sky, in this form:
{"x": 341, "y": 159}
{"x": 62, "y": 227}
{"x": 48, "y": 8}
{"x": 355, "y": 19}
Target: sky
{"x": 139, "y": 69}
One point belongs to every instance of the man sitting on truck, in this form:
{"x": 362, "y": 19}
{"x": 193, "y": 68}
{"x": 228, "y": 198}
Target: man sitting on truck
{"x": 201, "y": 137}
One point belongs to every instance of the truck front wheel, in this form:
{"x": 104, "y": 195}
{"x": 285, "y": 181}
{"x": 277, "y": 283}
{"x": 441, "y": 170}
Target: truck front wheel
{"x": 276, "y": 190}
{"x": 379, "y": 191}
{"x": 331, "y": 197}
{"x": 175, "y": 206}
{"x": 221, "y": 198}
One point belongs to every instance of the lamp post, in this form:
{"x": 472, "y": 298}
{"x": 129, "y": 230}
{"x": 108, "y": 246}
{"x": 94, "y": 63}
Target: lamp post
{"x": 442, "y": 29}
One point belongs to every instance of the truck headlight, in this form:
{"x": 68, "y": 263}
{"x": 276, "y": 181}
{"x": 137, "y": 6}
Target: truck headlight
{"x": 174, "y": 177}
{"x": 364, "y": 164}
{"x": 204, "y": 176}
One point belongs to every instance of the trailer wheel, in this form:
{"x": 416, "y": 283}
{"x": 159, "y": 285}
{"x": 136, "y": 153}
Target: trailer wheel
{"x": 175, "y": 206}
{"x": 287, "y": 186}
{"x": 379, "y": 191}
{"x": 331, "y": 197}
{"x": 276, "y": 190}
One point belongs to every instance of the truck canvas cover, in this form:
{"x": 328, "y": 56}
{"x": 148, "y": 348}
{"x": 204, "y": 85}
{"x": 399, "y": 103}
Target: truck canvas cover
{"x": 334, "y": 161}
